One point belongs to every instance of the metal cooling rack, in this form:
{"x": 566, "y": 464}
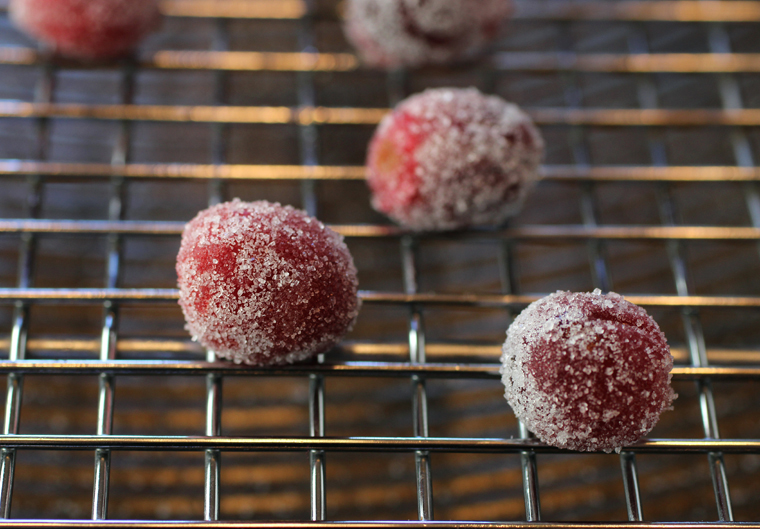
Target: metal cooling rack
{"x": 692, "y": 39}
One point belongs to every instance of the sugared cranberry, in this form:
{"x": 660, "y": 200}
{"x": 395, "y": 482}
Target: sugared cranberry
{"x": 265, "y": 284}
{"x": 389, "y": 33}
{"x": 87, "y": 29}
{"x": 587, "y": 371}
{"x": 453, "y": 158}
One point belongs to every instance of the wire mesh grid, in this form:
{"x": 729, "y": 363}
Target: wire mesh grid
{"x": 650, "y": 112}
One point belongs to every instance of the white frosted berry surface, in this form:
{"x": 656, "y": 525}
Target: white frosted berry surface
{"x": 451, "y": 158}
{"x": 587, "y": 371}
{"x": 89, "y": 29}
{"x": 263, "y": 284}
{"x": 389, "y": 33}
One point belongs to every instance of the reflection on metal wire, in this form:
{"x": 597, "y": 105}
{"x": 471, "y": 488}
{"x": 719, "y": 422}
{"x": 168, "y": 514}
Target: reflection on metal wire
{"x": 371, "y": 116}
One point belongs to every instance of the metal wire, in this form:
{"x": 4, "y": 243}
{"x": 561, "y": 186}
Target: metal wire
{"x": 352, "y": 525}
{"x": 396, "y": 81}
{"x": 545, "y": 232}
{"x": 108, "y": 348}
{"x": 416, "y": 328}
{"x": 169, "y": 295}
{"x": 308, "y": 137}
{"x": 531, "y": 494}
{"x": 354, "y": 368}
{"x": 322, "y": 172}
{"x": 623, "y": 117}
{"x": 308, "y": 61}
{"x": 44, "y": 92}
{"x": 214, "y": 382}
{"x": 354, "y": 444}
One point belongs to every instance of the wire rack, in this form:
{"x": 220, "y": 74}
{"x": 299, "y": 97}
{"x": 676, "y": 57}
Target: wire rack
{"x": 651, "y": 117}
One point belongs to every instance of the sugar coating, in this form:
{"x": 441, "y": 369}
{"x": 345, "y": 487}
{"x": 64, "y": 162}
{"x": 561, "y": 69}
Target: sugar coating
{"x": 265, "y": 284}
{"x": 587, "y": 371}
{"x": 452, "y": 158}
{"x": 87, "y": 29}
{"x": 390, "y": 33}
